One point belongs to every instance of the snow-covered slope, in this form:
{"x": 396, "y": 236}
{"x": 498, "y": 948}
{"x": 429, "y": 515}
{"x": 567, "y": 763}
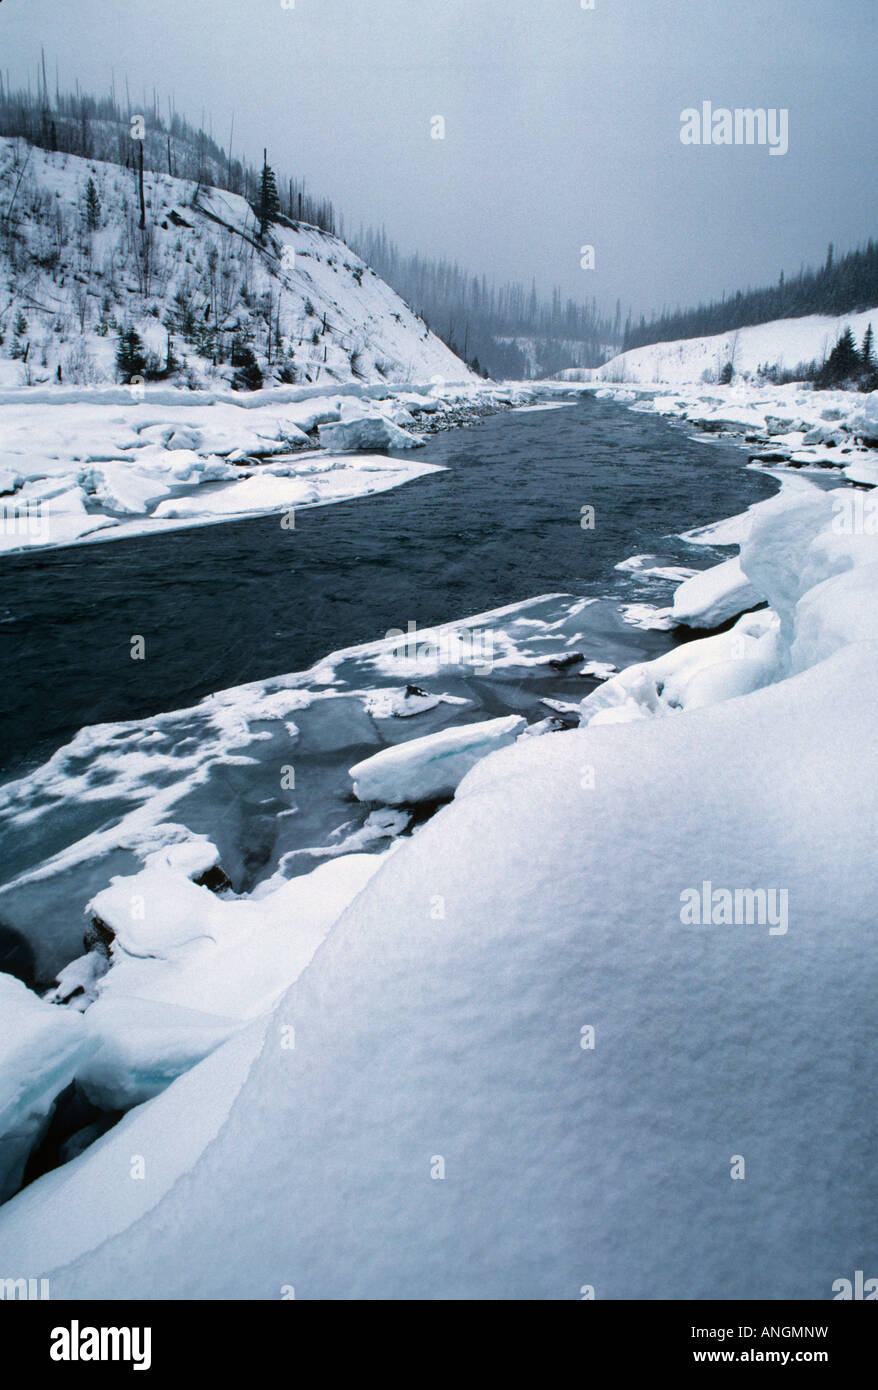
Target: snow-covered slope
{"x": 784, "y": 343}
{"x": 310, "y": 309}
{"x": 89, "y": 451}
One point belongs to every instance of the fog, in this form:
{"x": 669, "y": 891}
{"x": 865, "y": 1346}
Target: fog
{"x": 562, "y": 124}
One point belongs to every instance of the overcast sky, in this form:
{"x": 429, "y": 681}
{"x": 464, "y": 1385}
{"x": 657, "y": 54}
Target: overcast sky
{"x": 562, "y": 124}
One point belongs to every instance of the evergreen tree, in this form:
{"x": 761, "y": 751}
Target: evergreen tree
{"x": 867, "y": 351}
{"x": 92, "y": 207}
{"x": 269, "y": 202}
{"x": 248, "y": 376}
{"x": 172, "y": 361}
{"x": 130, "y": 355}
{"x": 843, "y": 363}
{"x": 19, "y": 346}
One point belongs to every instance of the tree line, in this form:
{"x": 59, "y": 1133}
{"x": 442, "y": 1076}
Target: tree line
{"x": 845, "y": 285}
{"x": 507, "y": 330}
{"x": 100, "y": 127}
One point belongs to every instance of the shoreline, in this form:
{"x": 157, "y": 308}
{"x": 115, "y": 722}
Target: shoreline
{"x": 225, "y": 469}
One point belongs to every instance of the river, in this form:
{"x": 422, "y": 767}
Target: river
{"x": 223, "y": 604}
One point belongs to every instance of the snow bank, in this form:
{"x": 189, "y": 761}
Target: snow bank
{"x": 692, "y": 675}
{"x": 784, "y": 343}
{"x": 93, "y": 1197}
{"x": 466, "y": 1135}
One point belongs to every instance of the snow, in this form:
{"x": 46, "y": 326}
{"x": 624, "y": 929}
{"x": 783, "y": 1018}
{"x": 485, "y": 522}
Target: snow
{"x": 89, "y": 468}
{"x": 648, "y": 616}
{"x": 785, "y": 343}
{"x": 404, "y": 703}
{"x": 690, "y": 676}
{"x": 865, "y": 422}
{"x": 41, "y": 1048}
{"x": 425, "y": 769}
{"x": 446, "y": 1126}
{"x": 61, "y": 1215}
{"x": 711, "y": 597}
{"x": 330, "y": 481}
{"x": 463, "y": 1032}
{"x": 598, "y": 670}
{"x": 639, "y": 566}
{"x": 191, "y": 968}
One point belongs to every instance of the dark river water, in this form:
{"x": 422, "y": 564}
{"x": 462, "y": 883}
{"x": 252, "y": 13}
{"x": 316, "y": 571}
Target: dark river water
{"x": 223, "y": 604}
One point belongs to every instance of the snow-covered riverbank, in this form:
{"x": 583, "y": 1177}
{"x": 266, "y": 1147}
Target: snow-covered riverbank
{"x": 100, "y": 464}
{"x": 782, "y": 426}
{"x": 789, "y": 425}
{"x": 547, "y": 900}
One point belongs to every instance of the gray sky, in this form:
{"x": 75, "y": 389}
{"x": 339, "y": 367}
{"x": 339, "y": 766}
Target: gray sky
{"x": 562, "y": 124}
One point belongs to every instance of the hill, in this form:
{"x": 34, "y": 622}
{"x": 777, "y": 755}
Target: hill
{"x": 785, "y": 349}
{"x": 848, "y": 285}
{"x": 83, "y": 262}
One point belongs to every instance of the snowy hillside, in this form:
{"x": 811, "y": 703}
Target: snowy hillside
{"x": 260, "y": 373}
{"x": 196, "y": 281}
{"x": 784, "y": 344}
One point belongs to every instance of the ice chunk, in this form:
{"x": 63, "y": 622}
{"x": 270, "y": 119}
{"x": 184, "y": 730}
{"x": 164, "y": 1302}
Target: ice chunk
{"x": 188, "y": 968}
{"x": 425, "y": 769}
{"x": 864, "y": 422}
{"x": 120, "y": 487}
{"x": 41, "y": 1047}
{"x": 713, "y": 596}
{"x": 367, "y": 432}
{"x": 396, "y": 703}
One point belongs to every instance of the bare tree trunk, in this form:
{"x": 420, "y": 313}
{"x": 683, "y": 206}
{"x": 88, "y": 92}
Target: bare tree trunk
{"x": 140, "y": 184}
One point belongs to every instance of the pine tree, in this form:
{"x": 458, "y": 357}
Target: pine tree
{"x": 843, "y": 363}
{"x": 130, "y": 354}
{"x": 248, "y": 376}
{"x": 269, "y": 202}
{"x": 172, "y": 361}
{"x": 92, "y": 206}
{"x": 867, "y": 351}
{"x": 19, "y": 345}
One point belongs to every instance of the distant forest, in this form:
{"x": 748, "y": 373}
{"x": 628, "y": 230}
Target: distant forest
{"x": 506, "y": 330}
{"x": 844, "y": 286}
